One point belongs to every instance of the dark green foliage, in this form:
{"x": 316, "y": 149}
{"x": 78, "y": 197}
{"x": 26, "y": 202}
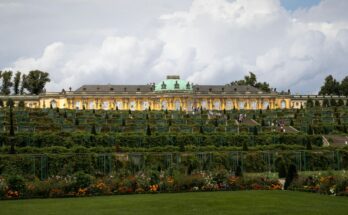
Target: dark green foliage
{"x": 21, "y": 104}
{"x": 291, "y": 122}
{"x": 65, "y": 115}
{"x": 16, "y": 183}
{"x": 21, "y": 90}
{"x": 263, "y": 122}
{"x": 282, "y": 169}
{"x": 201, "y": 131}
{"x": 330, "y": 87}
{"x": 93, "y": 130}
{"x": 35, "y": 81}
{"x": 291, "y": 175}
{"x": 16, "y": 82}
{"x": 252, "y": 81}
{"x": 245, "y": 146}
{"x": 344, "y": 86}
{"x": 309, "y": 103}
{"x": 129, "y": 111}
{"x": 6, "y": 82}
{"x": 123, "y": 122}
{"x": 255, "y": 132}
{"x": 57, "y": 109}
{"x": 82, "y": 180}
{"x": 333, "y": 102}
{"x": 1, "y": 103}
{"x": 310, "y": 130}
{"x": 340, "y": 102}
{"x": 77, "y": 121}
{"x": 309, "y": 145}
{"x": 9, "y": 103}
{"x": 148, "y": 130}
{"x": 51, "y": 107}
{"x": 238, "y": 172}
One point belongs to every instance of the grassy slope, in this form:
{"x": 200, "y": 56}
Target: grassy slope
{"x": 243, "y": 202}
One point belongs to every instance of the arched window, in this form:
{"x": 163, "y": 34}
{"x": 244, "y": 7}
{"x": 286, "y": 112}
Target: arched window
{"x": 204, "y": 104}
{"x": 254, "y": 105}
{"x": 145, "y": 105}
{"x": 229, "y": 105}
{"x": 132, "y": 105}
{"x": 189, "y": 105}
{"x": 119, "y": 105}
{"x": 164, "y": 105}
{"x": 105, "y": 105}
{"x": 177, "y": 104}
{"x": 283, "y": 104}
{"x": 217, "y": 105}
{"x": 53, "y": 103}
{"x": 241, "y": 105}
{"x": 91, "y": 105}
{"x": 265, "y": 105}
{"x": 78, "y": 105}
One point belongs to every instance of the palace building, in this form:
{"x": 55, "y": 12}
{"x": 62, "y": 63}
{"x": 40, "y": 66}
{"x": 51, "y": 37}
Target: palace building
{"x": 171, "y": 94}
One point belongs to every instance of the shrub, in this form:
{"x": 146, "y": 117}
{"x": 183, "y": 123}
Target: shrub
{"x": 82, "y": 180}
{"x": 16, "y": 183}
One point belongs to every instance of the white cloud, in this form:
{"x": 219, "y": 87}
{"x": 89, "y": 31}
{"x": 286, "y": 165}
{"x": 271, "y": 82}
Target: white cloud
{"x": 209, "y": 43}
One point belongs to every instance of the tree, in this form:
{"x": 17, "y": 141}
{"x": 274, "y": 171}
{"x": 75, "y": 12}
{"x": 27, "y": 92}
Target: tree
{"x": 317, "y": 103}
{"x": 148, "y": 130}
{"x": 24, "y": 77}
{"x": 6, "y": 82}
{"x": 252, "y": 81}
{"x": 16, "y": 82}
{"x": 309, "y": 103}
{"x": 291, "y": 175}
{"x": 326, "y": 103}
{"x": 330, "y": 87}
{"x": 340, "y": 102}
{"x": 10, "y": 104}
{"x": 35, "y": 81}
{"x": 93, "y": 130}
{"x": 344, "y": 87}
{"x": 245, "y": 146}
{"x": 21, "y": 104}
{"x": 1, "y": 103}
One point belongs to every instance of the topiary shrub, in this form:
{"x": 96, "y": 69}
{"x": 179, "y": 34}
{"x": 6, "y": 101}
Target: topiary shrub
{"x": 82, "y": 180}
{"x": 291, "y": 175}
{"x": 16, "y": 183}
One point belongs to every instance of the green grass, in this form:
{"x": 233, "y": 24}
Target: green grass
{"x": 241, "y": 202}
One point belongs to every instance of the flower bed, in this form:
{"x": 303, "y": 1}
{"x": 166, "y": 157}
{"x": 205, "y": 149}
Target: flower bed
{"x": 82, "y": 184}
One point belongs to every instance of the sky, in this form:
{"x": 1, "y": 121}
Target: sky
{"x": 292, "y": 44}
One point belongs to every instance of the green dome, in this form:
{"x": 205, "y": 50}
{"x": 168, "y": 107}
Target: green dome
{"x": 173, "y": 83}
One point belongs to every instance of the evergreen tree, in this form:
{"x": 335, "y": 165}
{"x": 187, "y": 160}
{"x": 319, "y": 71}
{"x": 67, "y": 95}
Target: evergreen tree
{"x": 148, "y": 130}
{"x": 255, "y": 132}
{"x": 309, "y": 145}
{"x": 326, "y": 103}
{"x": 309, "y": 103}
{"x": 77, "y": 121}
{"x": 344, "y": 87}
{"x": 6, "y": 82}
{"x": 333, "y": 102}
{"x": 201, "y": 130}
{"x": 340, "y": 102}
{"x": 93, "y": 130}
{"x": 12, "y": 133}
{"x": 291, "y": 175}
{"x": 317, "y": 103}
{"x": 245, "y": 146}
{"x": 16, "y": 83}
{"x": 23, "y": 83}
{"x": 1, "y": 103}
{"x": 21, "y": 104}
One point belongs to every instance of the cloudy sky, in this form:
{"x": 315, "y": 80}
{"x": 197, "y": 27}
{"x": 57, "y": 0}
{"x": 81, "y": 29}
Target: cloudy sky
{"x": 289, "y": 43}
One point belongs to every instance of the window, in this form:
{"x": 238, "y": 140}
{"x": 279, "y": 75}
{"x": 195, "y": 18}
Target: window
{"x": 132, "y": 105}
{"x": 177, "y": 104}
{"x": 229, "y": 105}
{"x": 265, "y": 105}
{"x": 204, "y": 104}
{"x": 105, "y": 105}
{"x": 164, "y": 105}
{"x": 145, "y": 105}
{"x": 254, "y": 105}
{"x": 241, "y": 105}
{"x": 119, "y": 105}
{"x": 217, "y": 105}
{"x": 283, "y": 104}
{"x": 91, "y": 105}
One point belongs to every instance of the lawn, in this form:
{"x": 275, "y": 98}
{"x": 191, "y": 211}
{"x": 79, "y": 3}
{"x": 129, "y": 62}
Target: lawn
{"x": 241, "y": 202}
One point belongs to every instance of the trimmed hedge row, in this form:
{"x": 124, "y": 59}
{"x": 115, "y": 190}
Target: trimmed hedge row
{"x": 46, "y": 139}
